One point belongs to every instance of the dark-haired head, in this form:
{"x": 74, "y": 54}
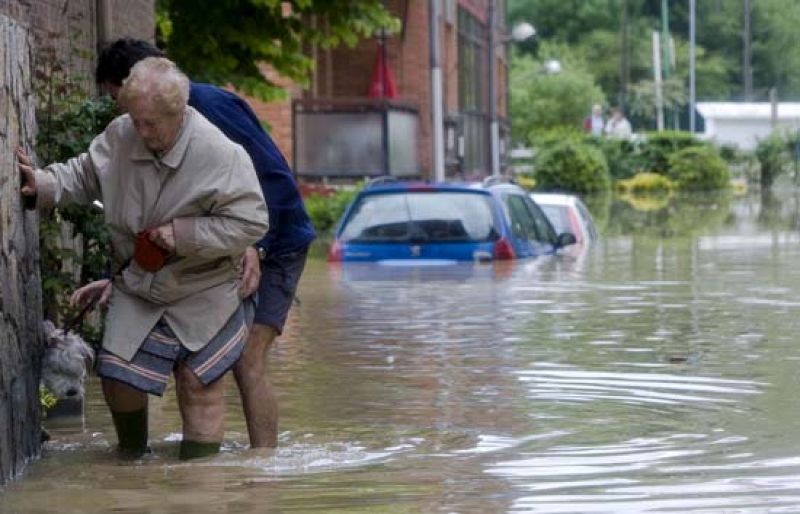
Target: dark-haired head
{"x": 116, "y": 59}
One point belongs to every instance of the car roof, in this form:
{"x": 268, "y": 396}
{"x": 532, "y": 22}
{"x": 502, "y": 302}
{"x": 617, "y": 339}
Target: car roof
{"x": 554, "y": 198}
{"x": 420, "y": 186}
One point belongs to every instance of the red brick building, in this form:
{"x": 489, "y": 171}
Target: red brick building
{"x": 333, "y": 129}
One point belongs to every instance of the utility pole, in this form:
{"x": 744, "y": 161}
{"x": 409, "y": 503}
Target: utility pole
{"x": 657, "y": 81}
{"x": 692, "y": 95}
{"x": 625, "y": 57}
{"x": 666, "y": 47}
{"x": 437, "y": 117}
{"x": 494, "y": 130}
{"x": 747, "y": 53}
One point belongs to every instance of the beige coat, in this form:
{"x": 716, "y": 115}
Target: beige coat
{"x": 206, "y": 186}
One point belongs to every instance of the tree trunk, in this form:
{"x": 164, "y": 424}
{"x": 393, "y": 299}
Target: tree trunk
{"x": 20, "y": 288}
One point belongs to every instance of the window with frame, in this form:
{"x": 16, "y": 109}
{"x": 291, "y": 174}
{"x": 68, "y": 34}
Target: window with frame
{"x": 471, "y": 78}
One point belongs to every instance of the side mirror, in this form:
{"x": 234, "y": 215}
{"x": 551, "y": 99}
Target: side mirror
{"x": 565, "y": 239}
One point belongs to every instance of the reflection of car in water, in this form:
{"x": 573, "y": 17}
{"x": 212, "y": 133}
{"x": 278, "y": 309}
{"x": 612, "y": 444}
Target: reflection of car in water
{"x": 568, "y": 213}
{"x": 426, "y": 271}
{"x": 451, "y": 222}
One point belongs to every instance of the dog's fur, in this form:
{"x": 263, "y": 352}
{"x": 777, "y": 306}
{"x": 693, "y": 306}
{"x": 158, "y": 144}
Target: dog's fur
{"x": 65, "y": 361}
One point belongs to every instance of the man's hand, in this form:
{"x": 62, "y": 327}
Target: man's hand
{"x": 27, "y": 173}
{"x": 251, "y": 272}
{"x": 163, "y": 236}
{"x": 90, "y": 291}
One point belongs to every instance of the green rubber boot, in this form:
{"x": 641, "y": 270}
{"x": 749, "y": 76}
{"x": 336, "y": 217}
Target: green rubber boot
{"x": 131, "y": 432}
{"x": 196, "y": 450}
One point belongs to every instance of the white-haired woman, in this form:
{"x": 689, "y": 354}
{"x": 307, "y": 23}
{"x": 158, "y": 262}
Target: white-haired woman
{"x": 182, "y": 203}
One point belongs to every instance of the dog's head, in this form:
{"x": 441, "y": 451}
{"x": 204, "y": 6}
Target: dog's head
{"x": 65, "y": 361}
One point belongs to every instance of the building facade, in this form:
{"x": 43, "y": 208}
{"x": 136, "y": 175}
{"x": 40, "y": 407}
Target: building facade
{"x": 339, "y": 127}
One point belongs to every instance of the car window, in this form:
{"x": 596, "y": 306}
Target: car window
{"x": 543, "y": 227}
{"x": 432, "y": 216}
{"x": 527, "y": 221}
{"x": 557, "y": 214}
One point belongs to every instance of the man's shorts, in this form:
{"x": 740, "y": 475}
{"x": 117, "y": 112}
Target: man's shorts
{"x": 279, "y": 277}
{"x": 150, "y": 368}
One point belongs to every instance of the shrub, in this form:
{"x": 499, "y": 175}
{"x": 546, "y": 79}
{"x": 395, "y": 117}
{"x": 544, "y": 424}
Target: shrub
{"x": 646, "y": 182}
{"x": 572, "y": 166}
{"x": 699, "y": 169}
{"x": 658, "y": 146}
{"x": 622, "y": 156}
{"x": 325, "y": 210}
{"x": 772, "y": 154}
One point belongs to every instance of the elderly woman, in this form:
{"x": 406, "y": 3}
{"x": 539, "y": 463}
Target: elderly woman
{"x": 182, "y": 203}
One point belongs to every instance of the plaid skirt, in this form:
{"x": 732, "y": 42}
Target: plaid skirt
{"x": 150, "y": 368}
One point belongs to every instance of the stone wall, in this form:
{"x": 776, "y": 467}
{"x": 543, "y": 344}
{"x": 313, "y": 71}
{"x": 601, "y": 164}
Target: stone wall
{"x": 37, "y": 34}
{"x": 20, "y": 290}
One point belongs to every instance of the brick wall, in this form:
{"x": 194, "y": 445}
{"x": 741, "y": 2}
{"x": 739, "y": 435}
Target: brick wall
{"x": 277, "y": 116}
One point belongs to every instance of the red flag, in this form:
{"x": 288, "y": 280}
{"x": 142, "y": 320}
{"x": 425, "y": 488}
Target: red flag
{"x": 382, "y": 83}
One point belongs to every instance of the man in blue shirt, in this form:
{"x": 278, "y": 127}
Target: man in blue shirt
{"x": 274, "y": 266}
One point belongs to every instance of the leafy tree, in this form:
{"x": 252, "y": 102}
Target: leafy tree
{"x": 594, "y": 29}
{"x": 541, "y": 102}
{"x": 225, "y": 42}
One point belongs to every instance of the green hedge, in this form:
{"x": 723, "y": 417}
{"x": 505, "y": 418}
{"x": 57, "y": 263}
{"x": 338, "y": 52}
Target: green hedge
{"x": 698, "y": 169}
{"x": 572, "y": 166}
{"x": 657, "y": 148}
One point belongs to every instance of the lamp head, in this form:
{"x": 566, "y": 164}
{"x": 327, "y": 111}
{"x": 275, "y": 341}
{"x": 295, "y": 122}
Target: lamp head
{"x": 522, "y": 31}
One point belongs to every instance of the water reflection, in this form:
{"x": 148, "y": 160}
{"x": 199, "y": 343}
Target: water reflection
{"x": 656, "y": 371}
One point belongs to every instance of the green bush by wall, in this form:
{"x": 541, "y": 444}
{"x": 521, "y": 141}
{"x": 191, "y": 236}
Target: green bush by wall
{"x": 572, "y": 166}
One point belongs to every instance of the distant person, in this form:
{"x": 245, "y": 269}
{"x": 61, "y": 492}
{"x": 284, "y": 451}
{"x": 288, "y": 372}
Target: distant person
{"x": 594, "y": 123}
{"x": 618, "y": 125}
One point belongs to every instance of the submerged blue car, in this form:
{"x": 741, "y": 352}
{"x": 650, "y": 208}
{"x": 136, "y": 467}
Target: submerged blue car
{"x": 438, "y": 223}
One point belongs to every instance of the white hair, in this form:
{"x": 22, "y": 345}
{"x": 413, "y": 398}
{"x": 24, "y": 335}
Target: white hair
{"x": 159, "y": 80}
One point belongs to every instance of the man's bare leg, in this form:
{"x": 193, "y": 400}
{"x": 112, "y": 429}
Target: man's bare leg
{"x": 128, "y": 408}
{"x": 259, "y": 402}
{"x": 202, "y": 411}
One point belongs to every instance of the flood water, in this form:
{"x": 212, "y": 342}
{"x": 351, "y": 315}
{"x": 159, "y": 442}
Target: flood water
{"x": 655, "y": 372}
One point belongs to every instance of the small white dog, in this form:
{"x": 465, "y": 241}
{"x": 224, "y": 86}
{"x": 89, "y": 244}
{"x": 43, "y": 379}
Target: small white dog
{"x": 65, "y": 361}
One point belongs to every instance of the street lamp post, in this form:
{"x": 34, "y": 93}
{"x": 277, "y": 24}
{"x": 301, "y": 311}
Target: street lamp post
{"x": 520, "y": 32}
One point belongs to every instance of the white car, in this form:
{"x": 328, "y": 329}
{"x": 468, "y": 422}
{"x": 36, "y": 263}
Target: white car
{"x": 568, "y": 213}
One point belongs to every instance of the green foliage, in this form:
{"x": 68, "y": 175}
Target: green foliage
{"x": 68, "y": 120}
{"x": 773, "y": 157}
{"x": 46, "y": 398}
{"x": 325, "y": 210}
{"x": 572, "y": 166}
{"x": 226, "y": 42}
{"x": 658, "y": 146}
{"x": 649, "y": 183}
{"x": 642, "y": 96}
{"x": 541, "y": 102}
{"x": 617, "y": 47}
{"x": 622, "y": 156}
{"x": 699, "y": 168}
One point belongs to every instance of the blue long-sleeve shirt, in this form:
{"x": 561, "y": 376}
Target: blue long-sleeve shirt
{"x": 290, "y": 228}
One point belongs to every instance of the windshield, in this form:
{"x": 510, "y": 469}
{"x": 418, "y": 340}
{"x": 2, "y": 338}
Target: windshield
{"x": 427, "y": 216}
